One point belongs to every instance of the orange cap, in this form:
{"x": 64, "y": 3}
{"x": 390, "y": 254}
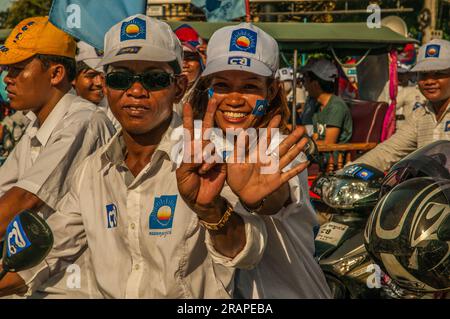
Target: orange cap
{"x": 36, "y": 36}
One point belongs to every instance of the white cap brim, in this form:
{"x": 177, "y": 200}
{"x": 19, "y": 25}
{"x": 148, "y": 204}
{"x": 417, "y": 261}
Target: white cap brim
{"x": 145, "y": 53}
{"x": 429, "y": 65}
{"x": 93, "y": 63}
{"x": 221, "y": 64}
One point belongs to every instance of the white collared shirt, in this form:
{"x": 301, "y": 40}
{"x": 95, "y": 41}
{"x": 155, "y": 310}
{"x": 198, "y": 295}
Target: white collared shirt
{"x": 46, "y": 157}
{"x": 143, "y": 239}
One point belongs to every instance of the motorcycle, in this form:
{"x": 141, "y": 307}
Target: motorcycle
{"x": 350, "y": 196}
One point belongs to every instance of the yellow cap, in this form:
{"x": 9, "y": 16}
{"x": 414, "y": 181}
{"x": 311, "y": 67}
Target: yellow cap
{"x": 36, "y": 36}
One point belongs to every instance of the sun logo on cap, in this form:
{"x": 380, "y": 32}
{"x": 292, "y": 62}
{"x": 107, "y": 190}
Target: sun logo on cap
{"x": 243, "y": 42}
{"x": 132, "y": 29}
{"x": 432, "y": 51}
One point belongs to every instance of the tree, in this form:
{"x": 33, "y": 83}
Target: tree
{"x": 22, "y": 9}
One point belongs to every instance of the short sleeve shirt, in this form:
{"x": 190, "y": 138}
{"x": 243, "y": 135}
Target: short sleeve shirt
{"x": 335, "y": 114}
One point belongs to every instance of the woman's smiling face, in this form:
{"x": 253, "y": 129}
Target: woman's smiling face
{"x": 237, "y": 93}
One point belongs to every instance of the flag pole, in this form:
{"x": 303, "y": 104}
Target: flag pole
{"x": 247, "y": 11}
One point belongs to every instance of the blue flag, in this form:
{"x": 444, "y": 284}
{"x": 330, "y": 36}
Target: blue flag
{"x": 221, "y": 10}
{"x": 89, "y": 20}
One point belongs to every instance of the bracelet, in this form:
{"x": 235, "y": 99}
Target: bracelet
{"x": 222, "y": 222}
{"x": 254, "y": 210}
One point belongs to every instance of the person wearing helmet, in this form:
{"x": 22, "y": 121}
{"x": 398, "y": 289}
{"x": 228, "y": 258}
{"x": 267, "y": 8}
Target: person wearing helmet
{"x": 428, "y": 123}
{"x": 239, "y": 81}
{"x": 408, "y": 235}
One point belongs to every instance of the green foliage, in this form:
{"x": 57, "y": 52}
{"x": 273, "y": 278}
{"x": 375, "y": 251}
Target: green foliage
{"x": 22, "y": 9}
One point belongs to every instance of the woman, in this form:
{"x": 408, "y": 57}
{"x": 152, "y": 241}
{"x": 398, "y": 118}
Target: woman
{"x": 239, "y": 79}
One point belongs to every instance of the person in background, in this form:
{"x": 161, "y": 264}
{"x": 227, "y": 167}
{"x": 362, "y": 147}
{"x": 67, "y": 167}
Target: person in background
{"x": 63, "y": 130}
{"x": 332, "y": 123}
{"x": 89, "y": 82}
{"x": 428, "y": 123}
{"x": 409, "y": 97}
{"x": 286, "y": 77}
{"x": 194, "y": 58}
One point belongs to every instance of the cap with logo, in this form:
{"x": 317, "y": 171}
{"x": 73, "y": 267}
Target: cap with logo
{"x": 141, "y": 38}
{"x": 189, "y": 38}
{"x": 433, "y": 56}
{"x": 36, "y": 36}
{"x": 243, "y": 47}
{"x": 322, "y": 68}
{"x": 88, "y": 54}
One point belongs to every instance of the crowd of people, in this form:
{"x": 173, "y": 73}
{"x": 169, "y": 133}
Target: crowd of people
{"x": 92, "y": 153}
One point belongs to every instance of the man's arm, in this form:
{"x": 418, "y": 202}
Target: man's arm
{"x": 403, "y": 142}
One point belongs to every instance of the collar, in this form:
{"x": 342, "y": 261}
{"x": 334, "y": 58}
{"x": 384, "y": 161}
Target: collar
{"x": 114, "y": 152}
{"x": 54, "y": 118}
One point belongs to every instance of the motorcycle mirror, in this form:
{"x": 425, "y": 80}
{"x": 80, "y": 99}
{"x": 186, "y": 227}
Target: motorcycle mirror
{"x": 28, "y": 240}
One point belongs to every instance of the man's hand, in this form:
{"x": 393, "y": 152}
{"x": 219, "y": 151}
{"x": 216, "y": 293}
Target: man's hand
{"x": 12, "y": 284}
{"x": 253, "y": 182}
{"x": 200, "y": 184}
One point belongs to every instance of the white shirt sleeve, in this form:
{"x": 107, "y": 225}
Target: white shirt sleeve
{"x": 256, "y": 238}
{"x": 62, "y": 155}
{"x": 9, "y": 172}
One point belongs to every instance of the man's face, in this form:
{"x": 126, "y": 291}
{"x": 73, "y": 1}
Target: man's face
{"x": 28, "y": 84}
{"x": 310, "y": 85}
{"x": 138, "y": 109}
{"x": 435, "y": 86}
{"x": 89, "y": 85}
{"x": 191, "y": 66}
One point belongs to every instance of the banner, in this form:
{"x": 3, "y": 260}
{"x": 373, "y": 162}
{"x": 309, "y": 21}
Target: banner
{"x": 221, "y": 10}
{"x": 89, "y": 20}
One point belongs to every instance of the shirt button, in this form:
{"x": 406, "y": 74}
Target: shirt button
{"x": 133, "y": 226}
{"x": 136, "y": 267}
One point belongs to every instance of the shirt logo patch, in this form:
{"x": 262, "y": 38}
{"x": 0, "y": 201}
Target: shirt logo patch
{"x": 129, "y": 50}
{"x": 447, "y": 126}
{"x": 365, "y": 174}
{"x": 432, "y": 51}
{"x": 133, "y": 30}
{"x": 244, "y": 40}
{"x": 111, "y": 215}
{"x": 17, "y": 239}
{"x": 161, "y": 217}
{"x": 238, "y": 60}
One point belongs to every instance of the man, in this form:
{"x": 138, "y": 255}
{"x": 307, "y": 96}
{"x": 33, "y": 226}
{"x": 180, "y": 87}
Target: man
{"x": 408, "y": 97}
{"x": 63, "y": 129}
{"x": 332, "y": 122}
{"x": 426, "y": 124}
{"x": 124, "y": 204}
{"x": 89, "y": 81}
{"x": 193, "y": 59}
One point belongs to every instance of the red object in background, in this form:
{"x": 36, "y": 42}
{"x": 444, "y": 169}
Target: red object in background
{"x": 408, "y": 54}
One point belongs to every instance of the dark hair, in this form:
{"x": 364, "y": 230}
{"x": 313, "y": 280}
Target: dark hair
{"x": 326, "y": 86}
{"x": 278, "y": 105}
{"x": 68, "y": 63}
{"x": 81, "y": 66}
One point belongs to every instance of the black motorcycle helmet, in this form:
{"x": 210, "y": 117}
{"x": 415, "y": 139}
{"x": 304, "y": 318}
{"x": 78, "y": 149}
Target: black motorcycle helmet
{"x": 408, "y": 234}
{"x": 432, "y": 160}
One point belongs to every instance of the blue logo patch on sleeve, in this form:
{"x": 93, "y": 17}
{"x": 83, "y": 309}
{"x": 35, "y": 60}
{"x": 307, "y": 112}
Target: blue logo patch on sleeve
{"x": 365, "y": 174}
{"x": 112, "y": 216}
{"x": 243, "y": 40}
{"x": 133, "y": 30}
{"x": 260, "y": 108}
{"x": 17, "y": 240}
{"x": 447, "y": 126}
{"x": 432, "y": 51}
{"x": 239, "y": 60}
{"x": 161, "y": 217}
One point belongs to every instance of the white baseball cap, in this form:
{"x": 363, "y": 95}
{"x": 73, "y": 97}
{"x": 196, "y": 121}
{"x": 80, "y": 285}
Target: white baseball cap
{"x": 88, "y": 54}
{"x": 322, "y": 68}
{"x": 243, "y": 47}
{"x": 142, "y": 38}
{"x": 433, "y": 56}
